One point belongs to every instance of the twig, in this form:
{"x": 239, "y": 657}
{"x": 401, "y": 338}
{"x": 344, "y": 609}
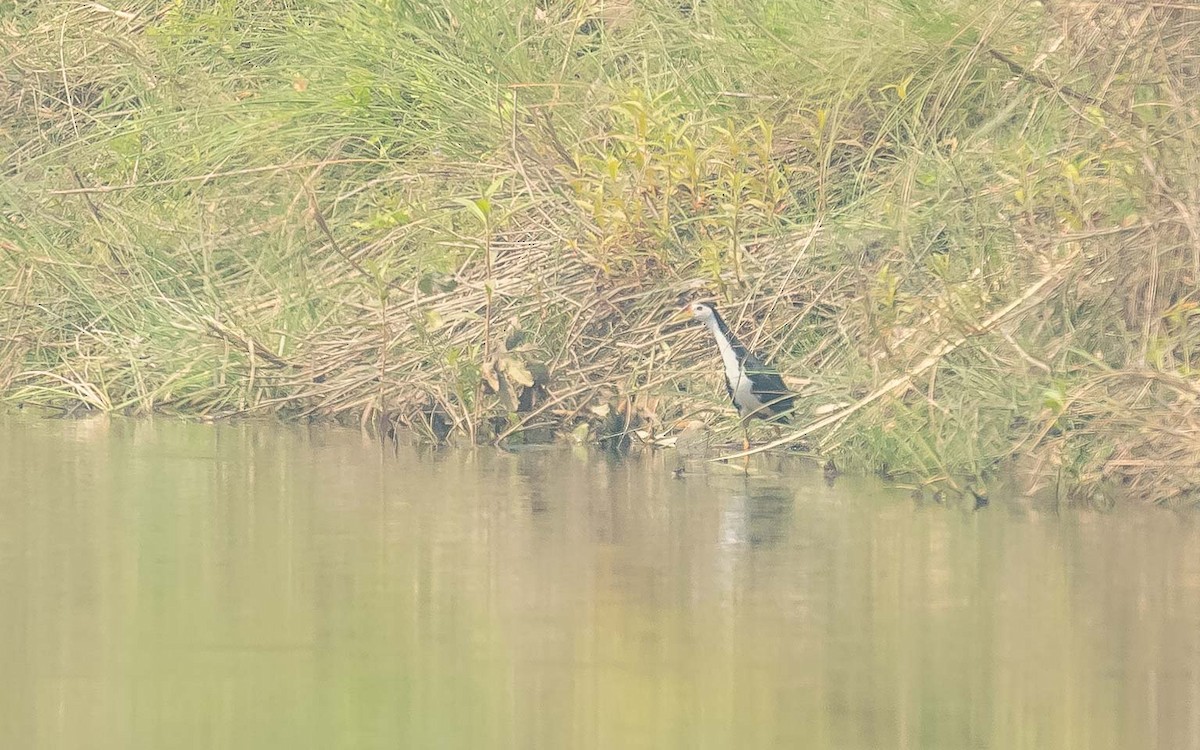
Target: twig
{"x": 1046, "y": 81}
{"x": 91, "y": 204}
{"x": 904, "y": 381}
{"x": 122, "y": 14}
{"x": 243, "y": 341}
{"x": 205, "y": 177}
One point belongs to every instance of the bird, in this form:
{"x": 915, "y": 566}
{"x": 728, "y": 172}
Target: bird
{"x": 755, "y": 388}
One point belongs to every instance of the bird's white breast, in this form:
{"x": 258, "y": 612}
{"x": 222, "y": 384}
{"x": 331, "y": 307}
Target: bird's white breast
{"x": 743, "y": 395}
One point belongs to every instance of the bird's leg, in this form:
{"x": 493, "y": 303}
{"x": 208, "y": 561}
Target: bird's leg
{"x": 745, "y": 446}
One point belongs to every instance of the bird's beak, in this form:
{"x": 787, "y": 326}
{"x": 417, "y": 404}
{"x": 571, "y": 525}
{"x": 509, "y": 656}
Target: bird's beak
{"x": 683, "y": 315}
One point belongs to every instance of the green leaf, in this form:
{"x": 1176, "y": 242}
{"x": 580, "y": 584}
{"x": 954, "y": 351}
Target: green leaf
{"x": 1054, "y": 399}
{"x": 474, "y": 207}
{"x": 612, "y": 165}
{"x": 496, "y": 186}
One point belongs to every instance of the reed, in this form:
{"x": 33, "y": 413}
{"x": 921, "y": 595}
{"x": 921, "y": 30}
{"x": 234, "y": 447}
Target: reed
{"x": 970, "y": 230}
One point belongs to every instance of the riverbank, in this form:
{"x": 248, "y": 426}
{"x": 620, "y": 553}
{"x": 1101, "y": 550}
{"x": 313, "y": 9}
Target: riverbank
{"x": 969, "y": 237}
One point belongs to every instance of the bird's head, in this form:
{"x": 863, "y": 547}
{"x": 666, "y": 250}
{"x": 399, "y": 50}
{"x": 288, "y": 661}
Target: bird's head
{"x": 704, "y": 312}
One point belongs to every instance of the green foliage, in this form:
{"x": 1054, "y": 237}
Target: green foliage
{"x": 338, "y": 209}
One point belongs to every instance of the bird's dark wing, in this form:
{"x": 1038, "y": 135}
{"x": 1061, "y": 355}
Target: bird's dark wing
{"x": 768, "y": 386}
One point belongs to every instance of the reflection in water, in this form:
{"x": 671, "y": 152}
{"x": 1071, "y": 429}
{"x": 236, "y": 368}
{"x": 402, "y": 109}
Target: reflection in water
{"x": 174, "y": 585}
{"x": 757, "y": 515}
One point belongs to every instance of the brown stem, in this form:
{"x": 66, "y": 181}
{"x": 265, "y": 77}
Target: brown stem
{"x": 1047, "y": 82}
{"x": 904, "y": 380}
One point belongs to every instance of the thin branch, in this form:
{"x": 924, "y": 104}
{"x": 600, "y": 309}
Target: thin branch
{"x": 901, "y": 382}
{"x": 1046, "y": 81}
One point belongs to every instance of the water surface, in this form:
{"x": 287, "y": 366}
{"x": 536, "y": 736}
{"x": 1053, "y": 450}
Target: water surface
{"x": 256, "y": 586}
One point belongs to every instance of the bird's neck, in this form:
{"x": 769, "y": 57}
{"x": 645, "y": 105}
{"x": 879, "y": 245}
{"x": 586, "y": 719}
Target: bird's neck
{"x": 724, "y": 336}
{"x": 732, "y": 351}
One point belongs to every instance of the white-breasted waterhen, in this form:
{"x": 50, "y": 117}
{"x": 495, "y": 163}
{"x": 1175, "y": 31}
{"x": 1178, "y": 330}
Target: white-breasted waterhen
{"x": 755, "y": 387}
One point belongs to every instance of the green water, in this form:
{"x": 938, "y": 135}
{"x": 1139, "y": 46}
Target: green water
{"x": 166, "y": 585}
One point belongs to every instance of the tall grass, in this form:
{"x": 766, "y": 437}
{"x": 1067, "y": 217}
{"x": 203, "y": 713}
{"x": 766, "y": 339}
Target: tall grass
{"x": 975, "y": 226}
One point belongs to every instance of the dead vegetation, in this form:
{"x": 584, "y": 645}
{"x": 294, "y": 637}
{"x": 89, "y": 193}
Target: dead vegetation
{"x": 973, "y": 235}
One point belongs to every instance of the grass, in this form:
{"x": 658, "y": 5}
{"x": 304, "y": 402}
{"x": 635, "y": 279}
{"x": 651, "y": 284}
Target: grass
{"x": 975, "y": 224}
